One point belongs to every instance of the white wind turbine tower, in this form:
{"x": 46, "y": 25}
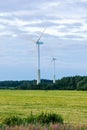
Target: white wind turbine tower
{"x": 54, "y": 80}
{"x": 38, "y": 43}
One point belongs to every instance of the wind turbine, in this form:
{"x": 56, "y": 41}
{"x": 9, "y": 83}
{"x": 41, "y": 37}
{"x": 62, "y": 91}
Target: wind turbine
{"x": 54, "y": 81}
{"x": 38, "y": 43}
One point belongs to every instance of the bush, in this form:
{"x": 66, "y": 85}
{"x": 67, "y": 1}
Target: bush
{"x": 13, "y": 120}
{"x": 49, "y": 118}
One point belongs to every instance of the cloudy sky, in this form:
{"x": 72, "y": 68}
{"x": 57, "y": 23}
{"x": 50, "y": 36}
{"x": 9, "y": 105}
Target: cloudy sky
{"x": 65, "y": 38}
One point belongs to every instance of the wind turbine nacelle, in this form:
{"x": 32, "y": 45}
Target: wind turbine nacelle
{"x": 39, "y": 42}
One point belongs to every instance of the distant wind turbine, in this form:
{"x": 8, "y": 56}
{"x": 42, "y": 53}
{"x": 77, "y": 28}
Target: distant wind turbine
{"x": 54, "y": 80}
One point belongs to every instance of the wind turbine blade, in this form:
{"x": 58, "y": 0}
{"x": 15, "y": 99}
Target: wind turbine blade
{"x": 32, "y": 40}
{"x": 41, "y": 34}
{"x": 28, "y": 38}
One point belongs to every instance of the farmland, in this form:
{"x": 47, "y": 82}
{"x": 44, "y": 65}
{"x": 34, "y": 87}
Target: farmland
{"x": 72, "y": 105}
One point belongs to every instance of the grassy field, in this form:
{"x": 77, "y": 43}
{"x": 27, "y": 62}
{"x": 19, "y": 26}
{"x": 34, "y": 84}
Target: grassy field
{"x": 72, "y": 105}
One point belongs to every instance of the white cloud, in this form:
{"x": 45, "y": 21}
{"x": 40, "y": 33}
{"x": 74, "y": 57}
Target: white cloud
{"x": 2, "y": 27}
{"x": 5, "y": 14}
{"x": 54, "y": 29}
{"x": 7, "y": 33}
{"x": 68, "y": 20}
{"x": 50, "y": 5}
{"x": 83, "y": 0}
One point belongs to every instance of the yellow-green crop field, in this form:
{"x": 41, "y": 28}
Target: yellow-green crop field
{"x": 72, "y": 105}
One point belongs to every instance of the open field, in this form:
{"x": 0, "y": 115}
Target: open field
{"x": 72, "y": 105}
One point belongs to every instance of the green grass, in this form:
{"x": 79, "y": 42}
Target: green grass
{"x": 72, "y": 105}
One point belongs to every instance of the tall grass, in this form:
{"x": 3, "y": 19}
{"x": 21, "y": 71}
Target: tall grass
{"x": 45, "y": 127}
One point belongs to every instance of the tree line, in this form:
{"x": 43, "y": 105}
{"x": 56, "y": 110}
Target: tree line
{"x": 65, "y": 83}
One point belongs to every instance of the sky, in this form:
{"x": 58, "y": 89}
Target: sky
{"x": 65, "y": 38}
